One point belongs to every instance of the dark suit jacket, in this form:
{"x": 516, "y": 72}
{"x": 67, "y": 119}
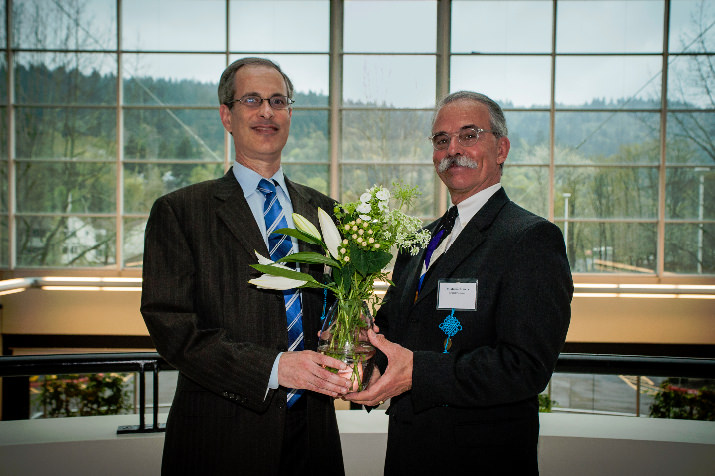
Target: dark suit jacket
{"x": 223, "y": 334}
{"x": 477, "y": 406}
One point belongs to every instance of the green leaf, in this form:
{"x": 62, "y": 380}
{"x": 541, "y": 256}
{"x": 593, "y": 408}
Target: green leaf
{"x": 343, "y": 277}
{"x": 301, "y": 236}
{"x": 368, "y": 262}
{"x": 288, "y": 273}
{"x": 310, "y": 257}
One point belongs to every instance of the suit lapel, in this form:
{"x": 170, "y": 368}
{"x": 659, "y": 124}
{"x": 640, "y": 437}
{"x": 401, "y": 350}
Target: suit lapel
{"x": 413, "y": 270}
{"x": 303, "y": 205}
{"x": 466, "y": 244}
{"x": 237, "y": 216}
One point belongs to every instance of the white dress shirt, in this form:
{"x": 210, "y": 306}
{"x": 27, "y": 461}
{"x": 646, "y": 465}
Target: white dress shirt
{"x": 248, "y": 179}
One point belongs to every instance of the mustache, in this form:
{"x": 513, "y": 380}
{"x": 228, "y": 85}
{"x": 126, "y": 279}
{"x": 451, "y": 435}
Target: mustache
{"x": 456, "y": 160}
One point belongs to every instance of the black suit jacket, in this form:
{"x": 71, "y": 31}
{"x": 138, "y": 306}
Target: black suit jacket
{"x": 224, "y": 334}
{"x": 478, "y": 403}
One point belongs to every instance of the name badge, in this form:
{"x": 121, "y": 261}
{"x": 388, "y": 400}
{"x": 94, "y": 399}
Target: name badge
{"x": 455, "y": 294}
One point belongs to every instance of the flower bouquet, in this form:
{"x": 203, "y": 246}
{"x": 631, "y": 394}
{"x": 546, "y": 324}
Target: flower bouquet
{"x": 357, "y": 251}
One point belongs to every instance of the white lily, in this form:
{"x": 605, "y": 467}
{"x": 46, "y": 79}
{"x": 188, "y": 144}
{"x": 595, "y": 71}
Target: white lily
{"x": 262, "y": 259}
{"x": 331, "y": 235}
{"x": 269, "y": 281}
{"x": 305, "y": 226}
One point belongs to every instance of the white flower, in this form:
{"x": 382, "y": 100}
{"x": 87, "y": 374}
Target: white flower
{"x": 383, "y": 194}
{"x": 364, "y": 208}
{"x": 365, "y": 217}
{"x": 365, "y": 197}
{"x": 269, "y": 281}
{"x": 262, "y": 259}
{"x": 305, "y": 226}
{"x": 331, "y": 235}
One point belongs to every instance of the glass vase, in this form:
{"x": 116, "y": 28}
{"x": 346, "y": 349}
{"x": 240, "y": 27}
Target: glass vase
{"x": 344, "y": 336}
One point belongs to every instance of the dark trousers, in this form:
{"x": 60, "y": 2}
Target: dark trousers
{"x": 294, "y": 454}
{"x": 429, "y": 447}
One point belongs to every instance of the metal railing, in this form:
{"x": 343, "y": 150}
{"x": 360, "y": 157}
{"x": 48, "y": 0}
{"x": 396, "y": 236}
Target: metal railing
{"x": 62, "y": 364}
{"x": 143, "y": 362}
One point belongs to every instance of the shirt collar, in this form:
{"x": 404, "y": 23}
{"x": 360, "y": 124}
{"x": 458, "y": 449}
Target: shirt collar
{"x": 248, "y": 179}
{"x": 470, "y": 206}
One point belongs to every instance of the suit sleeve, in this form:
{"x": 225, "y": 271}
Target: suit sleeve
{"x": 388, "y": 314}
{"x": 203, "y": 352}
{"x": 532, "y": 315}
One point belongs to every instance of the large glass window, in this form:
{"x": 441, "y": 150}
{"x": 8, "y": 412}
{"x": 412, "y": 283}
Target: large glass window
{"x": 388, "y": 86}
{"x": 609, "y": 26}
{"x": 99, "y": 117}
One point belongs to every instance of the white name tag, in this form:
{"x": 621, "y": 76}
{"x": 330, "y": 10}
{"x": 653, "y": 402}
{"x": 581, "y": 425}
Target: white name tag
{"x": 457, "y": 295}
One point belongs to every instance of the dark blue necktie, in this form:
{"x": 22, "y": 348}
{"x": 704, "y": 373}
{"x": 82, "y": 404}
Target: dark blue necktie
{"x": 441, "y": 232}
{"x": 279, "y": 246}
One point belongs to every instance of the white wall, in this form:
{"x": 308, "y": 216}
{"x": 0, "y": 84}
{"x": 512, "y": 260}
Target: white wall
{"x": 570, "y": 444}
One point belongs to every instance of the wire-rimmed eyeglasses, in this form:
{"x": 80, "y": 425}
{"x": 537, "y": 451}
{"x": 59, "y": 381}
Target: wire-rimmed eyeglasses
{"x": 467, "y": 137}
{"x": 253, "y": 101}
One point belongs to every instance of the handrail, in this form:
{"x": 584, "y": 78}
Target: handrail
{"x": 141, "y": 362}
{"x": 27, "y": 365}
{"x": 610, "y": 364}
{"x": 653, "y": 366}
{"x": 62, "y": 364}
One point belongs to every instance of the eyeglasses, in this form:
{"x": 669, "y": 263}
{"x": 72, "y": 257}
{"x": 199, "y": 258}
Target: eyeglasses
{"x": 253, "y": 101}
{"x": 467, "y": 137}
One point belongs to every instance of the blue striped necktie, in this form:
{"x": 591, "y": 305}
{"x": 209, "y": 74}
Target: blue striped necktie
{"x": 279, "y": 246}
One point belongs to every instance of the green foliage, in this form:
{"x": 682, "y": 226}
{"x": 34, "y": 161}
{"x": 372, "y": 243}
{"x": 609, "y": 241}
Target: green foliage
{"x": 545, "y": 403}
{"x": 678, "y": 401}
{"x": 405, "y": 195}
{"x": 84, "y": 395}
{"x": 368, "y": 262}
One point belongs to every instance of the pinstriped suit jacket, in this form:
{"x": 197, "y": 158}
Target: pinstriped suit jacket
{"x": 223, "y": 334}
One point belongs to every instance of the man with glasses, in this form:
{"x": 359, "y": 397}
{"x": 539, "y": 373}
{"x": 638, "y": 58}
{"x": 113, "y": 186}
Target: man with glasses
{"x": 251, "y": 397}
{"x": 472, "y": 327}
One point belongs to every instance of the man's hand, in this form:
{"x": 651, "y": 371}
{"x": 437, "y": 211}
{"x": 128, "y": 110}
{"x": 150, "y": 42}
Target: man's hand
{"x": 305, "y": 369}
{"x": 397, "y": 378}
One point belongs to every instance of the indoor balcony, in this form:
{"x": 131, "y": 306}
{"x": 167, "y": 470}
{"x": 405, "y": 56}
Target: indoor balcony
{"x": 571, "y": 443}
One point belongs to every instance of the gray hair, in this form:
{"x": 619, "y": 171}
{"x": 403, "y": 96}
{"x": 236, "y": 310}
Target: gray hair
{"x": 227, "y": 86}
{"x": 497, "y": 121}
